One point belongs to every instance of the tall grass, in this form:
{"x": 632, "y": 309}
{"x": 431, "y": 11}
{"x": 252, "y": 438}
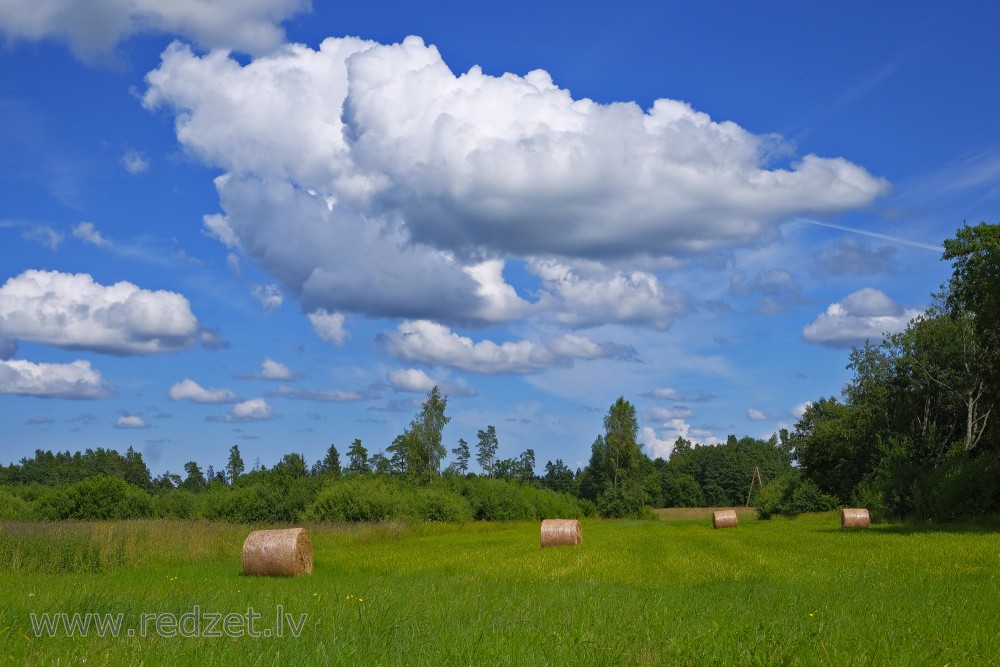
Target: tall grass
{"x": 635, "y": 592}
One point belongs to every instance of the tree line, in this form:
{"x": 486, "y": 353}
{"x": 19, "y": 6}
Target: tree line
{"x": 404, "y": 481}
{"x": 915, "y": 432}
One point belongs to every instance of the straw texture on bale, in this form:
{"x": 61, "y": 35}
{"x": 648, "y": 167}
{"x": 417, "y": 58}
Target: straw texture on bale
{"x": 561, "y": 533}
{"x": 854, "y": 518}
{"x": 724, "y": 519}
{"x": 278, "y": 553}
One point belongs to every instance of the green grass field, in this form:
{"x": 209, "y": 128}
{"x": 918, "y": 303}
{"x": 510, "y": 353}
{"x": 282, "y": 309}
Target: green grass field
{"x": 673, "y": 591}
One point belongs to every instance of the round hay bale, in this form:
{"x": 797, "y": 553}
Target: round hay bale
{"x": 278, "y": 553}
{"x": 561, "y": 533}
{"x": 854, "y": 518}
{"x": 724, "y": 519}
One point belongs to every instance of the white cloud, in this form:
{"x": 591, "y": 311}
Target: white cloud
{"x": 587, "y": 293}
{"x": 666, "y": 393}
{"x": 135, "y": 162}
{"x": 329, "y": 326}
{"x": 660, "y": 414}
{"x": 370, "y": 179}
{"x": 671, "y": 394}
{"x": 433, "y": 344}
{"x": 867, "y": 314}
{"x": 74, "y": 312}
{"x": 657, "y": 447}
{"x": 411, "y": 379}
{"x": 189, "y": 390}
{"x": 94, "y": 28}
{"x": 319, "y": 395}
{"x": 256, "y": 409}
{"x": 757, "y": 415}
{"x": 269, "y": 296}
{"x": 415, "y": 380}
{"x": 130, "y": 421}
{"x": 800, "y": 409}
{"x": 273, "y": 370}
{"x": 673, "y": 429}
{"x": 87, "y": 232}
{"x": 43, "y": 234}
{"x": 74, "y": 380}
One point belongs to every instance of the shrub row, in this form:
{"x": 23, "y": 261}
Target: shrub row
{"x": 373, "y": 498}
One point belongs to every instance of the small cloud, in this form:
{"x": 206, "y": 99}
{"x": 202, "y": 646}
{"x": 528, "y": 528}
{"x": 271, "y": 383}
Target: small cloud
{"x": 269, "y": 296}
{"x": 666, "y": 414}
{"x": 323, "y": 396}
{"x": 256, "y": 409}
{"x": 87, "y": 232}
{"x": 135, "y": 162}
{"x": 38, "y": 421}
{"x": 329, "y": 326}
{"x": 867, "y": 314}
{"x": 189, "y": 390}
{"x": 44, "y": 235}
{"x": 671, "y": 394}
{"x": 233, "y": 262}
{"x": 757, "y": 415}
{"x": 76, "y": 380}
{"x": 271, "y": 370}
{"x": 800, "y": 409}
{"x": 130, "y": 421}
{"x": 213, "y": 340}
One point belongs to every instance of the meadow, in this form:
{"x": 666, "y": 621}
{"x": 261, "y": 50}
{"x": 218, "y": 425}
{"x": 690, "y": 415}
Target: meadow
{"x": 672, "y": 591}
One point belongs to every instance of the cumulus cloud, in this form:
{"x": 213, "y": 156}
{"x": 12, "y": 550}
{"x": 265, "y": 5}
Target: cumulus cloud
{"x": 757, "y": 415}
{"x": 94, "y": 28}
{"x": 370, "y": 178}
{"x": 657, "y": 446}
{"x": 135, "y": 162}
{"x": 130, "y": 421}
{"x": 74, "y": 312}
{"x": 867, "y": 314}
{"x": 415, "y": 380}
{"x": 76, "y": 380}
{"x": 272, "y": 370}
{"x": 434, "y": 344}
{"x": 587, "y": 293}
{"x": 269, "y": 296}
{"x": 256, "y": 409}
{"x": 411, "y": 379}
{"x": 87, "y": 232}
{"x": 800, "y": 409}
{"x": 329, "y": 326}
{"x": 849, "y": 257}
{"x": 189, "y": 390}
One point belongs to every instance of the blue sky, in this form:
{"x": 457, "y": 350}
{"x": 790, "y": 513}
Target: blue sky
{"x": 277, "y": 226}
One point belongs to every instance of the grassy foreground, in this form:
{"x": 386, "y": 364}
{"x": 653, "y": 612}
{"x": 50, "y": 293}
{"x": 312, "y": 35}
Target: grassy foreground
{"x": 672, "y": 591}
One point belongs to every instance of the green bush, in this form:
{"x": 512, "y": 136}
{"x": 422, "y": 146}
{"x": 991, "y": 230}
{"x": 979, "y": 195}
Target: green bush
{"x": 259, "y": 503}
{"x": 175, "y": 504}
{"x": 445, "y": 506}
{"x": 359, "y": 499}
{"x": 96, "y": 498}
{"x": 15, "y": 508}
{"x": 790, "y": 495}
